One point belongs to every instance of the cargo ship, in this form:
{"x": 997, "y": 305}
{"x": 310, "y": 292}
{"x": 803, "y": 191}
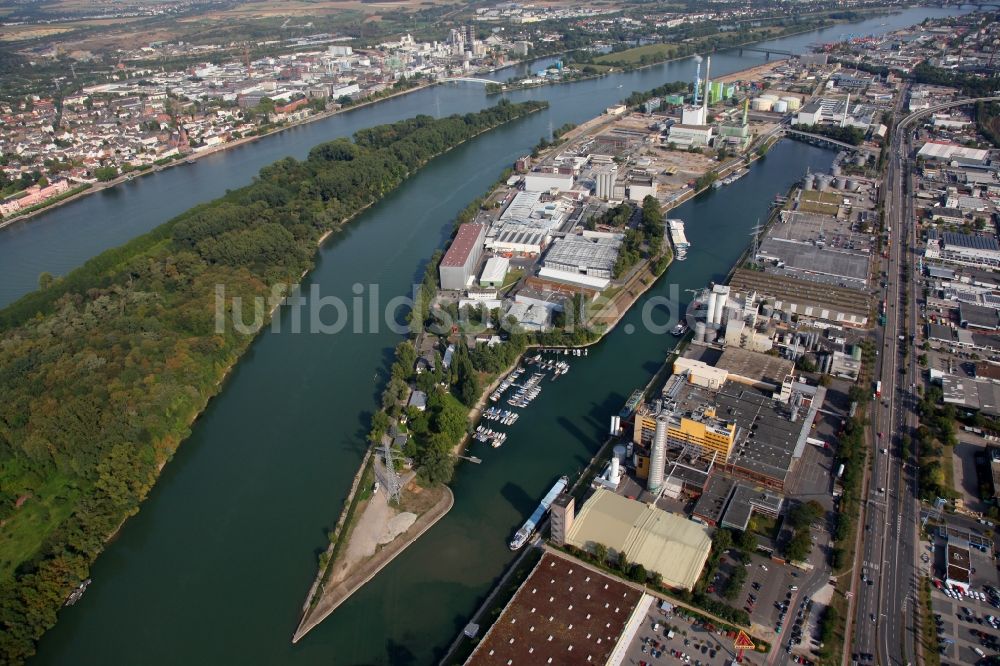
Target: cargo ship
{"x": 631, "y": 404}
{"x": 680, "y": 242}
{"x": 530, "y": 525}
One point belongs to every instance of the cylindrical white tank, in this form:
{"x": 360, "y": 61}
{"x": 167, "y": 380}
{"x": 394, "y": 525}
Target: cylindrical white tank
{"x": 859, "y": 160}
{"x": 615, "y": 474}
{"x": 852, "y": 184}
{"x": 823, "y": 183}
{"x": 722, "y": 296}
{"x": 759, "y": 104}
{"x": 807, "y": 183}
{"x": 793, "y": 102}
{"x": 841, "y": 183}
{"x": 619, "y": 452}
{"x": 710, "y": 312}
{"x": 616, "y": 423}
{"x": 780, "y": 106}
{"x": 835, "y": 169}
{"x": 699, "y": 331}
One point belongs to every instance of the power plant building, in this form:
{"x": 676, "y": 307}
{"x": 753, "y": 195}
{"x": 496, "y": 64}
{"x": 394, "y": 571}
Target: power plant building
{"x": 669, "y": 544}
{"x": 749, "y": 421}
{"x": 458, "y": 266}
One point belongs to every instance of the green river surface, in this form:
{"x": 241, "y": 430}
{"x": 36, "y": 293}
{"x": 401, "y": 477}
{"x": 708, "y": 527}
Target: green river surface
{"x": 215, "y": 567}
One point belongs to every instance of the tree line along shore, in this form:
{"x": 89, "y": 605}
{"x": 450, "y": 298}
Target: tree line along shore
{"x": 105, "y": 369}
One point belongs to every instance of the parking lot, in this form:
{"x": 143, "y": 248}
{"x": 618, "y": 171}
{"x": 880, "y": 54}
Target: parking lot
{"x": 961, "y": 632}
{"x": 765, "y": 590}
{"x": 963, "y": 623}
{"x": 689, "y": 643}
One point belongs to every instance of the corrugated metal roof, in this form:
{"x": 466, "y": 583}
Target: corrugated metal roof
{"x": 672, "y": 545}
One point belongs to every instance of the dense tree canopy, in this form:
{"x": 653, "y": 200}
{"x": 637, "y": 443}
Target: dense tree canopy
{"x": 103, "y": 370}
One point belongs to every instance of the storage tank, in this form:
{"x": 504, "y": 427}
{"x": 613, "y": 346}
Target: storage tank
{"x": 780, "y": 106}
{"x": 721, "y": 300}
{"x": 860, "y": 160}
{"x": 709, "y": 335}
{"x": 710, "y": 312}
{"x": 616, "y": 424}
{"x": 619, "y": 452}
{"x": 852, "y": 184}
{"x": 835, "y": 169}
{"x": 841, "y": 183}
{"x": 793, "y": 102}
{"x": 699, "y": 331}
{"x": 807, "y": 183}
{"x": 760, "y": 104}
{"x": 824, "y": 183}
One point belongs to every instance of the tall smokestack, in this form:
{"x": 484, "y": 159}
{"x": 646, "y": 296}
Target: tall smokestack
{"x": 847, "y": 107}
{"x": 697, "y": 81}
{"x": 708, "y": 81}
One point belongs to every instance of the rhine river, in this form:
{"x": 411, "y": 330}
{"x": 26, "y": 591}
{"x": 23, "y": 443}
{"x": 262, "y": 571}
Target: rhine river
{"x": 215, "y": 566}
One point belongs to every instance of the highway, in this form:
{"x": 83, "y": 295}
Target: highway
{"x": 885, "y": 608}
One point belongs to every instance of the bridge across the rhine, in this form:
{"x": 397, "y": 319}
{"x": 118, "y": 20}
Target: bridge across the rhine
{"x": 819, "y": 139}
{"x": 767, "y": 51}
{"x": 469, "y": 79}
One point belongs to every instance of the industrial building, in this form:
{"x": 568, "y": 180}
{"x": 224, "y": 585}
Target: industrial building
{"x": 726, "y": 502}
{"x": 966, "y": 249}
{"x": 978, "y": 316}
{"x": 666, "y": 543}
{"x": 516, "y": 240}
{"x": 536, "y": 181}
{"x": 812, "y": 300}
{"x": 818, "y": 248}
{"x": 495, "y": 272}
{"x": 751, "y": 424}
{"x": 950, "y": 152}
{"x": 563, "y": 613}
{"x": 640, "y": 187}
{"x": 458, "y": 266}
{"x": 969, "y": 393}
{"x": 575, "y": 258}
{"x": 690, "y": 136}
{"x": 836, "y": 111}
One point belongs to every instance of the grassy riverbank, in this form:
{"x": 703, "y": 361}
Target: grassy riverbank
{"x": 104, "y": 370}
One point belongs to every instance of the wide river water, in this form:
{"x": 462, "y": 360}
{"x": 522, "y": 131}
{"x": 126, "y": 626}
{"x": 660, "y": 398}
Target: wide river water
{"x": 215, "y": 567}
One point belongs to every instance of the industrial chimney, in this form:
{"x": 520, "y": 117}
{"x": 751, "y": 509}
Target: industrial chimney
{"x": 708, "y": 83}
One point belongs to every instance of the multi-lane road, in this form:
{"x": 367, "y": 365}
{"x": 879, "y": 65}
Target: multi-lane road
{"x": 884, "y": 621}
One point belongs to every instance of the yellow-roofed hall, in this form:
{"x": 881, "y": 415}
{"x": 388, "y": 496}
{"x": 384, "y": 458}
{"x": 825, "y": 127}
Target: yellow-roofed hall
{"x": 664, "y": 542}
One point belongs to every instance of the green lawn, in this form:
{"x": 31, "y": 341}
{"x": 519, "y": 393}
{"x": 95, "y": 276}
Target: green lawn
{"x": 24, "y": 531}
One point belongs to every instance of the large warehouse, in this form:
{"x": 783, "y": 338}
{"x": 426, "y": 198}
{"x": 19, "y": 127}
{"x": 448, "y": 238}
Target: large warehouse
{"x": 459, "y": 263}
{"x": 671, "y": 545}
{"x": 564, "y": 613}
{"x": 594, "y": 256}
